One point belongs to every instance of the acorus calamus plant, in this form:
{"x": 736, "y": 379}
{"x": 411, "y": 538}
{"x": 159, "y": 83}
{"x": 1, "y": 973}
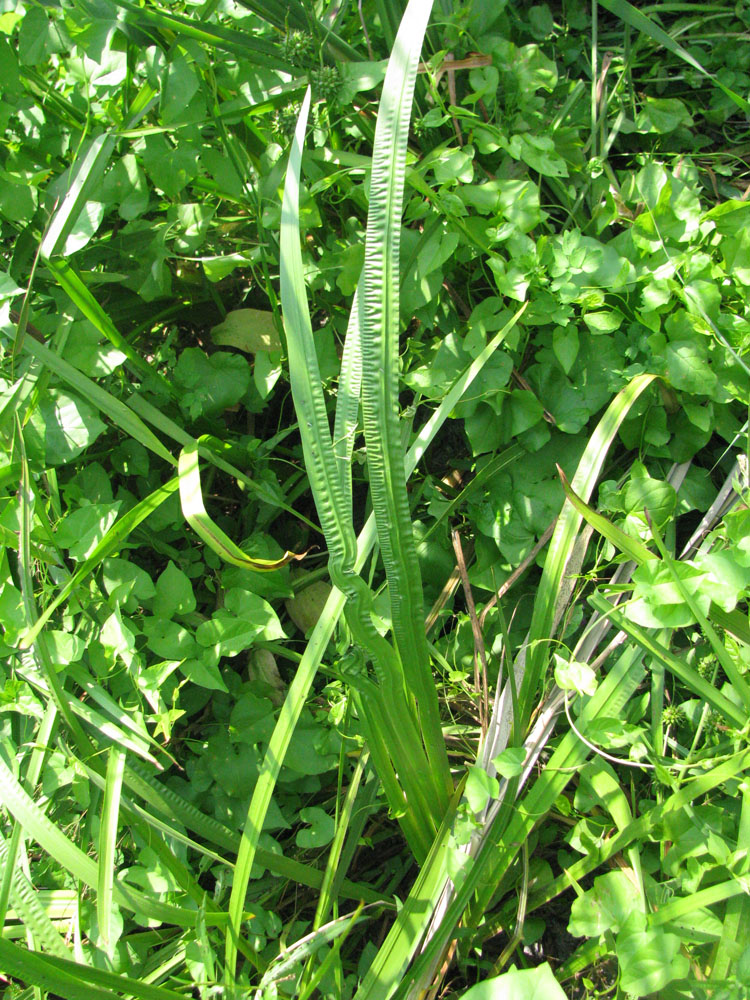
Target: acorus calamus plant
{"x": 392, "y": 682}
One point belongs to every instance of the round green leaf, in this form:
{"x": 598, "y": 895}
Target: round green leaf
{"x": 519, "y": 984}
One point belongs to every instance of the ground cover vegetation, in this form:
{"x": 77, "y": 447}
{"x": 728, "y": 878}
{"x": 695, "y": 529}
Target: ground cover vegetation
{"x": 373, "y": 401}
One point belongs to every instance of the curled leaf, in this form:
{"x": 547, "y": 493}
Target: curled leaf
{"x": 191, "y": 500}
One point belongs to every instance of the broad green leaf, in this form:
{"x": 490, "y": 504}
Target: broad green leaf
{"x": 565, "y": 345}
{"x": 41, "y": 36}
{"x": 321, "y": 828}
{"x": 210, "y": 385}
{"x": 8, "y": 288}
{"x": 662, "y": 114}
{"x": 227, "y": 635}
{"x": 479, "y": 788}
{"x": 571, "y": 675}
{"x": 252, "y": 720}
{"x": 654, "y": 496}
{"x": 688, "y": 369}
{"x": 125, "y": 186}
{"x": 606, "y": 906}
{"x": 509, "y": 763}
{"x": 174, "y": 593}
{"x": 179, "y": 85}
{"x": 649, "y": 958}
{"x": 519, "y": 984}
{"x": 69, "y": 425}
{"x": 81, "y": 531}
{"x": 307, "y": 605}
{"x": 206, "y": 675}
{"x": 169, "y": 640}
{"x": 603, "y": 322}
{"x": 64, "y": 647}
{"x": 85, "y": 351}
{"x": 659, "y": 602}
{"x": 117, "y": 639}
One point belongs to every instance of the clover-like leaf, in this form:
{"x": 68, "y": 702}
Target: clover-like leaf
{"x": 320, "y": 831}
{"x": 480, "y": 788}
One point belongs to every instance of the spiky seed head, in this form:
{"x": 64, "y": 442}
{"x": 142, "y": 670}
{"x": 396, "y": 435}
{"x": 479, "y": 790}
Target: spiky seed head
{"x": 297, "y": 47}
{"x": 673, "y": 716}
{"x": 284, "y": 121}
{"x": 706, "y": 667}
{"x": 326, "y": 83}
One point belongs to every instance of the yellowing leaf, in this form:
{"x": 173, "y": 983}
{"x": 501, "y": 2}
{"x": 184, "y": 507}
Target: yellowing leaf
{"x": 249, "y": 330}
{"x": 191, "y": 500}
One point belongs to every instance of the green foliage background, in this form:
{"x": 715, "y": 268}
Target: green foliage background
{"x": 584, "y": 165}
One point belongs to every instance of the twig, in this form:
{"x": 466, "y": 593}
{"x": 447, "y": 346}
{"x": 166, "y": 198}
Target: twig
{"x": 480, "y": 654}
{"x": 364, "y": 28}
{"x": 518, "y": 571}
{"x": 451, "y": 585}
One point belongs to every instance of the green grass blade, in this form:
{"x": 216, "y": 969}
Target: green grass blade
{"x": 326, "y": 899}
{"x": 122, "y": 718}
{"x": 380, "y": 383}
{"x": 738, "y": 909}
{"x": 736, "y": 679}
{"x": 29, "y": 908}
{"x": 501, "y": 846}
{"x": 641, "y": 22}
{"x": 120, "y": 414}
{"x": 633, "y": 548}
{"x": 393, "y": 957}
{"x": 71, "y": 283}
{"x": 322, "y": 466}
{"x": 246, "y": 46}
{"x": 163, "y": 423}
{"x": 107, "y": 845}
{"x": 172, "y": 806}
{"x": 304, "y": 374}
{"x": 689, "y": 677}
{"x": 272, "y": 763}
{"x": 86, "y": 175}
{"x": 74, "y": 981}
{"x": 191, "y": 500}
{"x": 39, "y": 827}
{"x": 62, "y": 701}
{"x": 566, "y": 530}
{"x": 292, "y": 14}
{"x": 646, "y": 826}
{"x": 38, "y": 754}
